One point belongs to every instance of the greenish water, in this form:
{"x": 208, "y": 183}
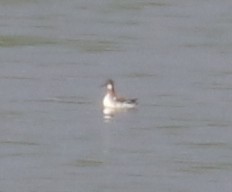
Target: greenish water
{"x": 11, "y": 41}
{"x": 174, "y": 56}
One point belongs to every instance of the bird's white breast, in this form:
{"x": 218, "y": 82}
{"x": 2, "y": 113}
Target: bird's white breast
{"x": 108, "y": 101}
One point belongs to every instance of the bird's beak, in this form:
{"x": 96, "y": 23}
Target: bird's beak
{"x": 103, "y": 85}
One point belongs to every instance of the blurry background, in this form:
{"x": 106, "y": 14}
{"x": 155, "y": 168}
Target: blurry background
{"x": 173, "y": 55}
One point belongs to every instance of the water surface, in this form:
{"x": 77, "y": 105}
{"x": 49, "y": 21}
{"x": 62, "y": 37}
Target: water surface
{"x": 174, "y": 56}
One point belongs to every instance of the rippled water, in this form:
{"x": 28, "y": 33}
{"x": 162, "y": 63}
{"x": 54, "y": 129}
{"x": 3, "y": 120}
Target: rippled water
{"x": 174, "y": 56}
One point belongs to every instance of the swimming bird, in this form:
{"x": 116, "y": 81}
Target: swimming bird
{"x": 111, "y": 100}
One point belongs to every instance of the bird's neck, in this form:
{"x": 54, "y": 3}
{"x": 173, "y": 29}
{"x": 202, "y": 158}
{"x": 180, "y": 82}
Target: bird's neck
{"x": 111, "y": 92}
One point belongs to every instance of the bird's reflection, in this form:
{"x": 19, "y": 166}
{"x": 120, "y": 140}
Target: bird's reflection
{"x": 109, "y": 113}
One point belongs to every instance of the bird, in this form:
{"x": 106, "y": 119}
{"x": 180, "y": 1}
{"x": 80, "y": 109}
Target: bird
{"x": 111, "y": 100}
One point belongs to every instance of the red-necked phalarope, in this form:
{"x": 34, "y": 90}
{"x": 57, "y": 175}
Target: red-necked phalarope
{"x": 112, "y": 101}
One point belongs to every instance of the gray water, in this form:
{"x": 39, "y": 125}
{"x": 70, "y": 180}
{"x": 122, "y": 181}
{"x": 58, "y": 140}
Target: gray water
{"x": 173, "y": 55}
